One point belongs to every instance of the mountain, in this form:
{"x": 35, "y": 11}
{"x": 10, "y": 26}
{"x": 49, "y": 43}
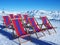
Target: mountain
{"x": 50, "y": 14}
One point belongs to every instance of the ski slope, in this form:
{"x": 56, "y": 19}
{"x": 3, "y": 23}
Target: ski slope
{"x": 53, "y": 39}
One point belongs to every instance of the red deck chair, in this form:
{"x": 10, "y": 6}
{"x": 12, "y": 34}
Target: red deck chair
{"x": 36, "y": 28}
{"x": 26, "y": 22}
{"x": 7, "y": 22}
{"x": 19, "y": 28}
{"x": 47, "y": 23}
{"x": 26, "y": 18}
{"x": 11, "y": 16}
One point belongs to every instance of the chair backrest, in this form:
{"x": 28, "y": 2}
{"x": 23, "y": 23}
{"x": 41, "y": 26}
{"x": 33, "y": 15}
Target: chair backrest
{"x": 26, "y": 18}
{"x": 33, "y": 23}
{"x": 17, "y": 16}
{"x": 6, "y": 20}
{"x": 11, "y": 16}
{"x": 46, "y": 22}
{"x": 18, "y": 26}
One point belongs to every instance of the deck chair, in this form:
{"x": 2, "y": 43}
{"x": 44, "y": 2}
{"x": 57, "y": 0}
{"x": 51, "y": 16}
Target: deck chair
{"x": 8, "y": 24}
{"x": 47, "y": 23}
{"x": 36, "y": 28}
{"x": 26, "y": 18}
{"x": 26, "y": 22}
{"x": 11, "y": 16}
{"x": 18, "y": 16}
{"x": 19, "y": 28}
{"x": 6, "y": 20}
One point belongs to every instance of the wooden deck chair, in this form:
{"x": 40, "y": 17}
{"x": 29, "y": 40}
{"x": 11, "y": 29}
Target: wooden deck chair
{"x": 26, "y": 22}
{"x": 6, "y": 20}
{"x": 19, "y": 28}
{"x": 26, "y": 18}
{"x": 36, "y": 28}
{"x": 18, "y": 16}
{"x": 47, "y": 23}
{"x": 8, "y": 24}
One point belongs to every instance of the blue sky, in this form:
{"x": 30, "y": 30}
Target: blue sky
{"x": 22, "y": 5}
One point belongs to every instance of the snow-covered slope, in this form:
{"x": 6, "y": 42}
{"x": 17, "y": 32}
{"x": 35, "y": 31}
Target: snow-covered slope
{"x": 53, "y": 39}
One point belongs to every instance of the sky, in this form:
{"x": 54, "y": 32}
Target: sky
{"x": 23, "y": 5}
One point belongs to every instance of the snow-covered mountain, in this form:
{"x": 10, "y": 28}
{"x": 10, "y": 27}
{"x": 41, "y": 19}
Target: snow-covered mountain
{"x": 50, "y": 14}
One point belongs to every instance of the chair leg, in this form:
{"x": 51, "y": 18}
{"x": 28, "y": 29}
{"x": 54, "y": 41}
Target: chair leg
{"x": 49, "y": 32}
{"x": 37, "y": 35}
{"x": 13, "y": 34}
{"x": 54, "y": 30}
{"x": 19, "y": 41}
{"x": 43, "y": 33}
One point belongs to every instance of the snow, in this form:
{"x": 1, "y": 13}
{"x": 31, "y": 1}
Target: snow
{"x": 53, "y": 39}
